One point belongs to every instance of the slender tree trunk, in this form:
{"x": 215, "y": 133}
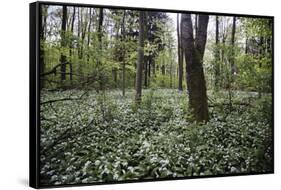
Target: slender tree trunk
{"x": 153, "y": 67}
{"x": 140, "y": 58}
{"x": 246, "y": 45}
{"x": 196, "y": 24}
{"x": 145, "y": 56}
{"x": 71, "y": 46}
{"x": 180, "y": 55}
{"x": 163, "y": 69}
{"x": 123, "y": 55}
{"x": 149, "y": 69}
{"x": 84, "y": 24}
{"x": 261, "y": 55}
{"x": 44, "y": 10}
{"x": 194, "y": 52}
{"x": 63, "y": 43}
{"x": 232, "y": 66}
{"x": 89, "y": 34}
{"x": 224, "y": 81}
{"x": 101, "y": 82}
{"x": 232, "y": 44}
{"x": 79, "y": 31}
{"x": 171, "y": 74}
{"x": 117, "y": 54}
{"x": 217, "y": 56}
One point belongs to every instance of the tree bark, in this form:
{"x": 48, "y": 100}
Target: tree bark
{"x": 194, "y": 52}
{"x": 71, "y": 45}
{"x": 232, "y": 44}
{"x": 63, "y": 43}
{"x": 140, "y": 58}
{"x": 89, "y": 34}
{"x": 145, "y": 56}
{"x": 101, "y": 84}
{"x": 42, "y": 41}
{"x": 217, "y": 56}
{"x": 123, "y": 54}
{"x": 180, "y": 55}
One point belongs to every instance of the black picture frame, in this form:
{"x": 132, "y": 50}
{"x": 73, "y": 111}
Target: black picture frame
{"x": 34, "y": 91}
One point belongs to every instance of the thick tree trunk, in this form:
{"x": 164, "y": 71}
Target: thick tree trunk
{"x": 180, "y": 55}
{"x": 63, "y": 43}
{"x": 194, "y": 52}
{"x": 140, "y": 58}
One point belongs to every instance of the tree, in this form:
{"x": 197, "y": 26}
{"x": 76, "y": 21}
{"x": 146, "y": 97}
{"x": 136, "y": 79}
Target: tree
{"x": 63, "y": 43}
{"x": 42, "y": 41}
{"x": 89, "y": 33}
{"x": 100, "y": 78}
{"x": 146, "y": 57}
{"x": 194, "y": 52}
{"x": 217, "y": 56}
{"x": 123, "y": 53}
{"x": 140, "y": 58}
{"x": 180, "y": 54}
{"x": 231, "y": 60}
{"x": 71, "y": 45}
{"x": 232, "y": 56}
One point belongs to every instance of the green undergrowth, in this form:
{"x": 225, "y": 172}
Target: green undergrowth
{"x": 104, "y": 137}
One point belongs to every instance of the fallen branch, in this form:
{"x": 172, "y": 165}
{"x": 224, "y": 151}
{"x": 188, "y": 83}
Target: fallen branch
{"x": 64, "y": 99}
{"x": 227, "y": 104}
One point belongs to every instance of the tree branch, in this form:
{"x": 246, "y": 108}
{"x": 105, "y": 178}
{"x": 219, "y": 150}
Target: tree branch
{"x": 54, "y": 69}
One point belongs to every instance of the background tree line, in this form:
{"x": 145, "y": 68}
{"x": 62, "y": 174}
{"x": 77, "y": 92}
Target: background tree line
{"x": 106, "y": 49}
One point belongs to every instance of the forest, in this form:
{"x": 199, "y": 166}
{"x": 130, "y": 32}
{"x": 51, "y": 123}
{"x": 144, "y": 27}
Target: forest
{"x": 131, "y": 94}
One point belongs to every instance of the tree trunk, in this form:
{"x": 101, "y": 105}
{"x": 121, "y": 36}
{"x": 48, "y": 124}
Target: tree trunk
{"x": 79, "y": 26}
{"x": 261, "y": 55}
{"x": 140, "y": 58}
{"x": 89, "y": 34}
{"x": 246, "y": 45}
{"x": 180, "y": 55}
{"x": 153, "y": 67}
{"x": 63, "y": 43}
{"x": 194, "y": 52}
{"x": 100, "y": 78}
{"x": 149, "y": 69}
{"x": 232, "y": 44}
{"x": 44, "y": 10}
{"x": 84, "y": 24}
{"x": 196, "y": 24}
{"x": 145, "y": 56}
{"x": 123, "y": 55}
{"x": 163, "y": 69}
{"x": 232, "y": 66}
{"x": 71, "y": 45}
{"x": 217, "y": 56}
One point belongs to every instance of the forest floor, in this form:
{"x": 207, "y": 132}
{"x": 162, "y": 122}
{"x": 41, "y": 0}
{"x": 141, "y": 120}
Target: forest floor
{"x": 87, "y": 138}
